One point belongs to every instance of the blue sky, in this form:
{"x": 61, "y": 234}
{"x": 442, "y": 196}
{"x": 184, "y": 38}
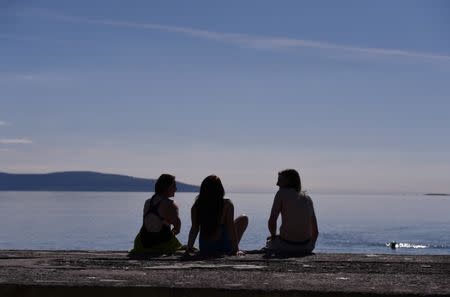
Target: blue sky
{"x": 354, "y": 94}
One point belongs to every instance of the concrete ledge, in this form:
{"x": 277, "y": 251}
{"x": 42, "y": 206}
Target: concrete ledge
{"x": 91, "y": 273}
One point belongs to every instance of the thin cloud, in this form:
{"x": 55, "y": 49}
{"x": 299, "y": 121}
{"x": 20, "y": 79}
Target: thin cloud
{"x": 19, "y": 38}
{"x": 2, "y": 123}
{"x": 15, "y": 141}
{"x": 38, "y": 77}
{"x": 252, "y": 41}
{"x": 24, "y": 38}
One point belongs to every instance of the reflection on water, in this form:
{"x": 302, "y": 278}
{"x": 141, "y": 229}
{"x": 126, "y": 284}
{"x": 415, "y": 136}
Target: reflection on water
{"x": 109, "y": 221}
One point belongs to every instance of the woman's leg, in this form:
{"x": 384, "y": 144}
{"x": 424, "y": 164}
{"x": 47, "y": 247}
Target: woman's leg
{"x": 240, "y": 223}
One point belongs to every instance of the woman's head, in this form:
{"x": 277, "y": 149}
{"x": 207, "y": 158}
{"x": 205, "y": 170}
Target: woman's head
{"x": 289, "y": 178}
{"x": 212, "y": 187}
{"x": 165, "y": 185}
{"x": 209, "y": 204}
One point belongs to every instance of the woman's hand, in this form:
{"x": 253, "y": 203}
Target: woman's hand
{"x": 175, "y": 230}
{"x": 238, "y": 253}
{"x": 189, "y": 250}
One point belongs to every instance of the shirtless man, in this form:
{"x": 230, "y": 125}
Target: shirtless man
{"x": 298, "y": 230}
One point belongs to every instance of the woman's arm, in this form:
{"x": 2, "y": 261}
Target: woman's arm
{"x": 169, "y": 211}
{"x": 194, "y": 229}
{"x": 231, "y": 228}
{"x": 315, "y": 229}
{"x": 274, "y": 213}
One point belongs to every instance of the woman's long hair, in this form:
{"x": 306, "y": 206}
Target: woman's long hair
{"x": 209, "y": 205}
{"x": 163, "y": 183}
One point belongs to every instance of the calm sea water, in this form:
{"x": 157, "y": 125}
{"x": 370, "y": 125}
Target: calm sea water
{"x": 109, "y": 221}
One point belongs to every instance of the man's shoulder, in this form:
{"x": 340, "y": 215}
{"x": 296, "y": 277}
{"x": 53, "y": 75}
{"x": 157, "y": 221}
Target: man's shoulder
{"x": 287, "y": 193}
{"x": 306, "y": 197}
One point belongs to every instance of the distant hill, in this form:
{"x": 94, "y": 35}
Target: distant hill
{"x": 437, "y": 194}
{"x": 81, "y": 181}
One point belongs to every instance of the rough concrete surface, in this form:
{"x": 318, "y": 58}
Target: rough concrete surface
{"x": 91, "y": 273}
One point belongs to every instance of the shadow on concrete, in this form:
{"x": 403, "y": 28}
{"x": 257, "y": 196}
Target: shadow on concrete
{"x": 286, "y": 255}
{"x": 197, "y": 256}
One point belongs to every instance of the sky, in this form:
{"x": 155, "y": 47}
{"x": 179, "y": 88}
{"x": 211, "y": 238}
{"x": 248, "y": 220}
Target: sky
{"x": 353, "y": 94}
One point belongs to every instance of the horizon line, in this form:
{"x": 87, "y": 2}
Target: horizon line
{"x": 236, "y": 191}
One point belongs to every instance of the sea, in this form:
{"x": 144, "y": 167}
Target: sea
{"x": 104, "y": 221}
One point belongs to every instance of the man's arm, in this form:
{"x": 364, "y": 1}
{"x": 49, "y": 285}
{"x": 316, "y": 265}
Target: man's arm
{"x": 274, "y": 213}
{"x": 315, "y": 229}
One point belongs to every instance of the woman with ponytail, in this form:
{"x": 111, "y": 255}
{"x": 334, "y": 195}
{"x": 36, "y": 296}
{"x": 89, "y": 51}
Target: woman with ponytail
{"x": 160, "y": 213}
{"x": 213, "y": 216}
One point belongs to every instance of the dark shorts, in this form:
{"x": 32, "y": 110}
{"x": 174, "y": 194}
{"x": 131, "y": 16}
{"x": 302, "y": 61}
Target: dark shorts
{"x": 219, "y": 246}
{"x": 212, "y": 247}
{"x": 150, "y": 239}
{"x": 279, "y": 245}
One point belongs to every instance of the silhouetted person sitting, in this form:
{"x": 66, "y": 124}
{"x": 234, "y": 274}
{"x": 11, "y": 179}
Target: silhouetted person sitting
{"x": 213, "y": 216}
{"x": 298, "y": 230}
{"x": 160, "y": 213}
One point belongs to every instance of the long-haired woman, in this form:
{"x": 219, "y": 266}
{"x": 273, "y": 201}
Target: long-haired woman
{"x": 160, "y": 213}
{"x": 213, "y": 216}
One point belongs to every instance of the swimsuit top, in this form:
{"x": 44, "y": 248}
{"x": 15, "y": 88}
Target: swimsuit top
{"x": 152, "y": 220}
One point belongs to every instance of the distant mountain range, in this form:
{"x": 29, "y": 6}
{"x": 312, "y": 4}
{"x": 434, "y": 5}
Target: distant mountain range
{"x": 81, "y": 181}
